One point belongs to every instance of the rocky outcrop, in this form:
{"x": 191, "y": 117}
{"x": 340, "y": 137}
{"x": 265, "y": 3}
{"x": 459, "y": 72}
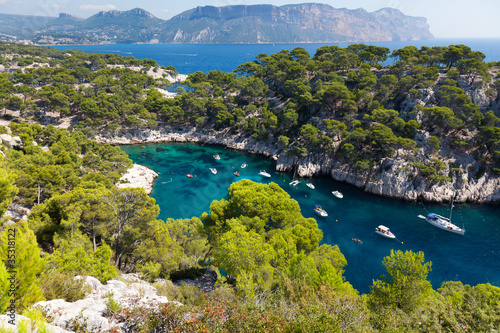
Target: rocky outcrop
{"x": 8, "y": 324}
{"x": 91, "y": 312}
{"x": 138, "y": 176}
{"x": 392, "y": 177}
{"x": 175, "y": 134}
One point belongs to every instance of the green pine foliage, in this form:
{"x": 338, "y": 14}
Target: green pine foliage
{"x": 25, "y": 266}
{"x": 339, "y": 102}
{"x": 262, "y": 240}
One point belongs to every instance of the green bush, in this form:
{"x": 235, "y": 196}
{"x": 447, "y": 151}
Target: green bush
{"x": 58, "y": 285}
{"x": 185, "y": 294}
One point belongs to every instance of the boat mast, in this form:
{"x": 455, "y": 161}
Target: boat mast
{"x": 451, "y": 208}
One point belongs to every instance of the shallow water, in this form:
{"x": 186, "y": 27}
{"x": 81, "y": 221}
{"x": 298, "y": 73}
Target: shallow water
{"x": 473, "y": 258}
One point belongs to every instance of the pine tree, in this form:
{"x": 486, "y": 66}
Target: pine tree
{"x": 20, "y": 241}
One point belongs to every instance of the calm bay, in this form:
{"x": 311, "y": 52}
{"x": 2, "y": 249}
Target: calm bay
{"x": 473, "y": 258}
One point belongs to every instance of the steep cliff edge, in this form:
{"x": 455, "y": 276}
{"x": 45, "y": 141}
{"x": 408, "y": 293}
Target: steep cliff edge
{"x": 309, "y": 22}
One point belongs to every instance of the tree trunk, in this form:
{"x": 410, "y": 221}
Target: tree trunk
{"x": 93, "y": 240}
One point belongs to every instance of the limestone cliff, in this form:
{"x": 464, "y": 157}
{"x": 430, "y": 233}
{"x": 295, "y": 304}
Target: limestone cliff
{"x": 310, "y": 22}
{"x": 392, "y": 177}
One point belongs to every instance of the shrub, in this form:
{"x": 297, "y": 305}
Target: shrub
{"x": 112, "y": 307}
{"x": 185, "y": 294}
{"x": 58, "y": 285}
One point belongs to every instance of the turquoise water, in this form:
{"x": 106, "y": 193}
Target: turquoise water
{"x": 473, "y": 258}
{"x": 189, "y": 58}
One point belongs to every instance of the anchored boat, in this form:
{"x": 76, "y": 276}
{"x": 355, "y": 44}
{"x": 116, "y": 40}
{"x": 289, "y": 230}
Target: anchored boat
{"x": 382, "y": 230}
{"x": 338, "y": 194}
{"x": 320, "y": 211}
{"x": 443, "y": 223}
{"x": 263, "y": 173}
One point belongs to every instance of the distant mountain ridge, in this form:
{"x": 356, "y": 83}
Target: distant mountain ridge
{"x": 310, "y": 22}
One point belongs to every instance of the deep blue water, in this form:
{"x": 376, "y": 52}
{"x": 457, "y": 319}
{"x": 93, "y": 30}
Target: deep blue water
{"x": 473, "y": 258}
{"x": 189, "y": 58}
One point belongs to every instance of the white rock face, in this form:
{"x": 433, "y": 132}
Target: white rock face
{"x": 91, "y": 309}
{"x": 11, "y": 141}
{"x": 8, "y": 327}
{"x": 393, "y": 177}
{"x": 138, "y": 176}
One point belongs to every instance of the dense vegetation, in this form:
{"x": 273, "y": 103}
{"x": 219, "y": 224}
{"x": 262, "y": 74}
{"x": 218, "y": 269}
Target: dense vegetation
{"x": 341, "y": 102}
{"x": 278, "y": 277}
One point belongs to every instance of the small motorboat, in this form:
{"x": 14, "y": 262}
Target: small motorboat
{"x": 338, "y": 194}
{"x": 320, "y": 211}
{"x": 189, "y": 175}
{"x": 294, "y": 182}
{"x": 384, "y": 231}
{"x": 236, "y": 173}
{"x": 216, "y": 156}
{"x": 265, "y": 174}
{"x": 214, "y": 170}
{"x": 243, "y": 165}
{"x": 310, "y": 185}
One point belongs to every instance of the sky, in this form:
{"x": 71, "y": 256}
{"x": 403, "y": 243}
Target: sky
{"x": 446, "y": 18}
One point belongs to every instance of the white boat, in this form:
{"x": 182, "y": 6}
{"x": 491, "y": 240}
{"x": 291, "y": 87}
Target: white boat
{"x": 214, "y": 170}
{"x": 263, "y": 173}
{"x": 443, "y": 223}
{"x": 216, "y": 156}
{"x": 294, "y": 182}
{"x": 338, "y": 194}
{"x": 310, "y": 185}
{"x": 243, "y": 165}
{"x": 320, "y": 211}
{"x": 384, "y": 231}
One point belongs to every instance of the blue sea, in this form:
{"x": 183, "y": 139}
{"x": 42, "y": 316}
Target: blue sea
{"x": 190, "y": 58}
{"x": 473, "y": 258}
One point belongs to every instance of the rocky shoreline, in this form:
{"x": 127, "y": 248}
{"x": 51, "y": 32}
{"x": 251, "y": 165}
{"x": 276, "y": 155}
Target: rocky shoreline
{"x": 138, "y": 176}
{"x": 392, "y": 177}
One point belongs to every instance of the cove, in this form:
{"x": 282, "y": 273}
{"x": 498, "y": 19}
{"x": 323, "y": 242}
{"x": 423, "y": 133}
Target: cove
{"x": 473, "y": 258}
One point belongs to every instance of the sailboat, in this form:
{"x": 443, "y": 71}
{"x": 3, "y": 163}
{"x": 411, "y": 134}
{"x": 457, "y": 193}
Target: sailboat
{"x": 443, "y": 222}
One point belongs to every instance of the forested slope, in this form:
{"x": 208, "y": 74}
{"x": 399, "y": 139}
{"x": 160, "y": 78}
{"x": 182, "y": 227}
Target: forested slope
{"x": 339, "y": 103}
{"x": 426, "y": 127}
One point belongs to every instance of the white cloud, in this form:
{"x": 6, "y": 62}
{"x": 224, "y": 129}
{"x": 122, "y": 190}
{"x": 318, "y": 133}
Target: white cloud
{"x": 97, "y": 7}
{"x": 3, "y": 1}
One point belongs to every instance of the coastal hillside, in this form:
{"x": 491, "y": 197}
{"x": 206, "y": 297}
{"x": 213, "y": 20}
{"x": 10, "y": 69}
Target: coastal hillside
{"x": 292, "y": 24}
{"x": 229, "y": 24}
{"x": 87, "y": 252}
{"x": 426, "y": 128}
